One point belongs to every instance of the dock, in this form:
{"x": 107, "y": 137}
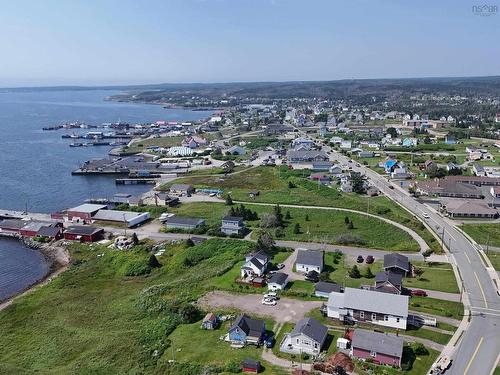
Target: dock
{"x": 136, "y": 181}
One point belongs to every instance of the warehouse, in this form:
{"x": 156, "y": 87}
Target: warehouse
{"x": 130, "y": 218}
{"x": 85, "y": 211}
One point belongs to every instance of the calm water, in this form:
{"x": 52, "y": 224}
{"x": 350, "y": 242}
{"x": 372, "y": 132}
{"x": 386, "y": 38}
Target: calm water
{"x": 36, "y": 165}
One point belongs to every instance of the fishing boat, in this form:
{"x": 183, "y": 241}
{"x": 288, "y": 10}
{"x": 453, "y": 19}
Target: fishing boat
{"x": 76, "y": 144}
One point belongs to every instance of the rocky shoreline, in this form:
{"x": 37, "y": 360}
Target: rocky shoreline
{"x": 55, "y": 254}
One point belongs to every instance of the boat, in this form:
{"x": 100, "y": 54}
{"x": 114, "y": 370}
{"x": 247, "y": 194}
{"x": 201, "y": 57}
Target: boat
{"x": 75, "y": 144}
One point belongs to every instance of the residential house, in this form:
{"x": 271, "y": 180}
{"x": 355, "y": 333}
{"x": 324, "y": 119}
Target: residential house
{"x": 181, "y": 189}
{"x": 409, "y": 142}
{"x": 277, "y": 281}
{"x": 246, "y": 330}
{"x": 193, "y": 142}
{"x": 324, "y": 288}
{"x": 400, "y": 172}
{"x": 308, "y": 336}
{"x": 306, "y": 143}
{"x": 210, "y": 321}
{"x": 164, "y": 199}
{"x": 336, "y": 170}
{"x": 255, "y": 264}
{"x": 478, "y": 169}
{"x": 83, "y": 233}
{"x": 346, "y": 145}
{"x": 306, "y": 156}
{"x": 184, "y": 223}
{"x": 321, "y": 178}
{"x": 381, "y": 348}
{"x": 452, "y": 167}
{"x": 389, "y": 165}
{"x": 388, "y": 282}
{"x": 361, "y": 305}
{"x": 322, "y": 165}
{"x": 309, "y": 260}
{"x": 236, "y": 150}
{"x": 232, "y": 225}
{"x": 397, "y": 263}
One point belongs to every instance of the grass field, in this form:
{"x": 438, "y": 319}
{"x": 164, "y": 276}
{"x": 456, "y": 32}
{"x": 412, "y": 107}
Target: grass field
{"x": 273, "y": 185}
{"x": 97, "y": 318}
{"x": 495, "y": 259}
{"x": 435, "y": 276}
{"x": 316, "y": 225}
{"x": 482, "y": 233}
{"x": 439, "y": 307}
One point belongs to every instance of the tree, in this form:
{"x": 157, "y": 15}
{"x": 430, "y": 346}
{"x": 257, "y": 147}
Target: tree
{"x": 368, "y": 273}
{"x": 278, "y": 214}
{"x": 358, "y": 183}
{"x": 269, "y": 221}
{"x": 278, "y": 232}
{"x": 229, "y": 200}
{"x": 324, "y": 276}
{"x": 296, "y": 228}
{"x": 354, "y": 272}
{"x": 307, "y": 217}
{"x": 153, "y": 262}
{"x": 350, "y": 225}
{"x": 135, "y": 239}
{"x": 393, "y": 132}
{"x": 291, "y": 185}
{"x": 189, "y": 242}
{"x": 265, "y": 241}
{"x": 419, "y": 348}
{"x": 287, "y": 215}
{"x": 346, "y": 220}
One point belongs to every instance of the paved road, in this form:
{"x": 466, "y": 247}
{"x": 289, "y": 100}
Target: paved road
{"x": 477, "y": 351}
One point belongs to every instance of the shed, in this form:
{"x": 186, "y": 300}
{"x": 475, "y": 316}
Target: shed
{"x": 251, "y": 366}
{"x": 210, "y": 321}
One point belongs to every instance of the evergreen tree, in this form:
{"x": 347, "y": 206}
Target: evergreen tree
{"x": 368, "y": 273}
{"x": 354, "y": 272}
{"x": 287, "y": 215}
{"x": 229, "y": 200}
{"x": 296, "y": 228}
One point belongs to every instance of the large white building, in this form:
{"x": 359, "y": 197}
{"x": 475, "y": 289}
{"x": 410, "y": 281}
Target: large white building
{"x": 360, "y": 305}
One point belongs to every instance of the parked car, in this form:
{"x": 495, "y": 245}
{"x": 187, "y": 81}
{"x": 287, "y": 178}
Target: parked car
{"x": 269, "y": 302}
{"x": 391, "y": 187}
{"x": 418, "y": 293}
{"x": 312, "y": 276}
{"x": 426, "y": 215}
{"x": 271, "y": 295}
{"x": 270, "y": 342}
{"x": 370, "y": 259}
{"x": 360, "y": 259}
{"x": 280, "y": 266}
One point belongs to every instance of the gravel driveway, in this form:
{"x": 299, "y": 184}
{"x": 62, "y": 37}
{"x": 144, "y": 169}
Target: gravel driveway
{"x": 286, "y": 310}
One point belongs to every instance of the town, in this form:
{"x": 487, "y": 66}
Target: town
{"x": 305, "y": 235}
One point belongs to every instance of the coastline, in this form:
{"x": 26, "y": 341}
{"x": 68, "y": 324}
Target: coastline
{"x": 58, "y": 257}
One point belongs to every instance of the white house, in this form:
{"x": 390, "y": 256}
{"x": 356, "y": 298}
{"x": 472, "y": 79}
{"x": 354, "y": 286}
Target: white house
{"x": 360, "y": 305}
{"x": 278, "y": 281}
{"x": 346, "y": 145}
{"x": 309, "y": 260}
{"x": 308, "y": 336}
{"x": 255, "y": 264}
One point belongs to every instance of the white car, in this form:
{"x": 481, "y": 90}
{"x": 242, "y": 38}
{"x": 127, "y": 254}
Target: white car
{"x": 270, "y": 295}
{"x": 426, "y": 215}
{"x": 269, "y": 302}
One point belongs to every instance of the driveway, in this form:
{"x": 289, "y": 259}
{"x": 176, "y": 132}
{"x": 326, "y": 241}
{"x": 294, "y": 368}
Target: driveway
{"x": 287, "y": 310}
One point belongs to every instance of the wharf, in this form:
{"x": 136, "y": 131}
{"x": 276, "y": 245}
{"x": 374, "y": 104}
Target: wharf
{"x": 135, "y": 181}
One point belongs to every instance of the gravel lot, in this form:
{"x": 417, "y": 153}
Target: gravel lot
{"x": 286, "y": 310}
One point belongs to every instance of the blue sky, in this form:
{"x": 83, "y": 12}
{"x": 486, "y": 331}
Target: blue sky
{"x": 53, "y": 42}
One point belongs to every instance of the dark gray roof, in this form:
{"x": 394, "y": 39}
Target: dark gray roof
{"x": 395, "y": 279}
{"x": 232, "y": 218}
{"x": 252, "y": 327}
{"x": 378, "y": 342}
{"x": 49, "y": 231}
{"x": 278, "y": 278}
{"x": 311, "y": 328}
{"x": 183, "y": 220}
{"x": 396, "y": 260}
{"x": 310, "y": 257}
{"x": 12, "y": 223}
{"x": 82, "y": 230}
{"x": 326, "y": 287}
{"x": 181, "y": 187}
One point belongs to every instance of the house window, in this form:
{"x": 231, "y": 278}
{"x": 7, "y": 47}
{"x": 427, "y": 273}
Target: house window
{"x": 362, "y": 314}
{"x": 386, "y": 318}
{"x": 374, "y": 316}
{"x": 373, "y": 354}
{"x": 397, "y": 320}
{"x": 315, "y": 345}
{"x": 297, "y": 341}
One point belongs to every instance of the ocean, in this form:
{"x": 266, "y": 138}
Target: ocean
{"x": 36, "y": 165}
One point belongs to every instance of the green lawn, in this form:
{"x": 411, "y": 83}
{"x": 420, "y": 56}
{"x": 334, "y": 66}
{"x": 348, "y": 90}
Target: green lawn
{"x": 191, "y": 344}
{"x": 316, "y": 225}
{"x": 273, "y": 185}
{"x": 140, "y": 145}
{"x": 439, "y": 307}
{"x": 482, "y": 233}
{"x": 440, "y": 338}
{"x": 97, "y": 318}
{"x": 494, "y": 258}
{"x": 435, "y": 276}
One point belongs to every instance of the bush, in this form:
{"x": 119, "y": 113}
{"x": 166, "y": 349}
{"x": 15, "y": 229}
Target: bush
{"x": 354, "y": 272}
{"x": 348, "y": 239}
{"x": 232, "y": 367}
{"x": 419, "y": 349}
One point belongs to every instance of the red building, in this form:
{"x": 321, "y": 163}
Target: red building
{"x": 85, "y": 212}
{"x": 83, "y": 233}
{"x": 251, "y": 366}
{"x": 11, "y": 226}
{"x": 381, "y": 348}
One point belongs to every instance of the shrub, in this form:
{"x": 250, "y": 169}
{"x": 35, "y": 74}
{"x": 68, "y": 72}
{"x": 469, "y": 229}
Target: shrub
{"x": 354, "y": 272}
{"x": 419, "y": 348}
{"x": 348, "y": 239}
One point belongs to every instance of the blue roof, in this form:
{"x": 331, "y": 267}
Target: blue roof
{"x": 391, "y": 162}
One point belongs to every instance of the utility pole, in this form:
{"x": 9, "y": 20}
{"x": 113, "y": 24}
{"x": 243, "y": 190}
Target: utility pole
{"x": 488, "y": 244}
{"x": 442, "y": 239}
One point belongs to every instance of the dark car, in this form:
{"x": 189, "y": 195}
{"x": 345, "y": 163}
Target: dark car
{"x": 360, "y": 259}
{"x": 312, "y": 276}
{"x": 370, "y": 259}
{"x": 418, "y": 293}
{"x": 391, "y": 187}
{"x": 270, "y": 342}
